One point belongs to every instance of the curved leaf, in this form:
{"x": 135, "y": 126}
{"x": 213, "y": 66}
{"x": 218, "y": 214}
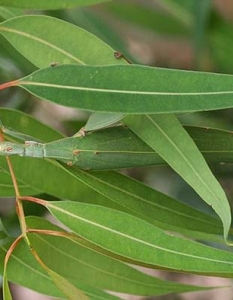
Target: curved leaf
{"x": 24, "y": 123}
{"x": 66, "y": 43}
{"x": 99, "y": 120}
{"x": 7, "y": 190}
{"x": 8, "y": 13}
{"x": 130, "y": 89}
{"x": 167, "y": 137}
{"x": 24, "y": 270}
{"x": 72, "y": 292}
{"x": 140, "y": 241}
{"x": 21, "y": 264}
{"x": 83, "y": 265}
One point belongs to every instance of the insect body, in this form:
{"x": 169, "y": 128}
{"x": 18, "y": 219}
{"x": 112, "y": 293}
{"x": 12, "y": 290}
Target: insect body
{"x": 112, "y": 148}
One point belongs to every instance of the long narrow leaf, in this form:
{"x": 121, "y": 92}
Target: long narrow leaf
{"x": 6, "y": 289}
{"x": 130, "y": 89}
{"x": 7, "y": 190}
{"x": 24, "y": 270}
{"x": 166, "y": 135}
{"x": 140, "y": 241}
{"x": 66, "y": 43}
{"x": 8, "y": 12}
{"x": 66, "y": 287}
{"x": 76, "y": 262}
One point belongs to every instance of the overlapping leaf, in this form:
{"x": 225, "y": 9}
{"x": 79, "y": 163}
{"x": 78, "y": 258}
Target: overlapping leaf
{"x": 24, "y": 270}
{"x": 8, "y": 12}
{"x": 7, "y": 190}
{"x": 99, "y": 120}
{"x": 130, "y": 89}
{"x": 181, "y": 153}
{"x": 23, "y": 261}
{"x": 86, "y": 266}
{"x": 66, "y": 43}
{"x": 140, "y": 241}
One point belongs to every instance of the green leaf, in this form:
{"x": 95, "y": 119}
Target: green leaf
{"x": 90, "y": 20}
{"x": 140, "y": 241}
{"x": 6, "y": 187}
{"x": 52, "y": 4}
{"x": 130, "y": 89}
{"x": 20, "y": 122}
{"x": 66, "y": 43}
{"x": 6, "y": 290}
{"x": 8, "y": 13}
{"x": 116, "y": 191}
{"x": 216, "y": 145}
{"x": 167, "y": 137}
{"x": 78, "y": 263}
{"x": 24, "y": 270}
{"x": 146, "y": 203}
{"x": 99, "y": 120}
{"x": 66, "y": 287}
{"x": 112, "y": 189}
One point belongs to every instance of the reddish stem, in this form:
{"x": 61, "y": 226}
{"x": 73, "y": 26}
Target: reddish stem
{"x": 34, "y": 199}
{"x": 11, "y": 249}
{"x": 1, "y": 135}
{"x": 51, "y": 232}
{"x": 6, "y": 85}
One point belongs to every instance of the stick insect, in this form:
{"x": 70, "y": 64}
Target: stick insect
{"x": 106, "y": 149}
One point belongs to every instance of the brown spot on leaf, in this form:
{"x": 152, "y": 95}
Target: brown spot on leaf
{"x": 76, "y": 152}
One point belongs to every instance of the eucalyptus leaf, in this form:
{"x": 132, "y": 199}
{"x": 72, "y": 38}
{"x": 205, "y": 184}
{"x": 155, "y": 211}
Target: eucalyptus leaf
{"x": 7, "y": 190}
{"x": 166, "y": 136}
{"x": 110, "y": 188}
{"x": 140, "y": 241}
{"x": 86, "y": 266}
{"x": 8, "y": 12}
{"x": 66, "y": 287}
{"x": 66, "y": 43}
{"x": 24, "y": 124}
{"x": 24, "y": 270}
{"x": 99, "y": 120}
{"x": 6, "y": 289}
{"x": 131, "y": 89}
{"x": 21, "y": 264}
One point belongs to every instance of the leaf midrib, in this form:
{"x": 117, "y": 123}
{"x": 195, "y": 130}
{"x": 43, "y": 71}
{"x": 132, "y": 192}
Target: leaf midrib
{"x": 49, "y": 206}
{"x": 32, "y": 37}
{"x": 102, "y": 90}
